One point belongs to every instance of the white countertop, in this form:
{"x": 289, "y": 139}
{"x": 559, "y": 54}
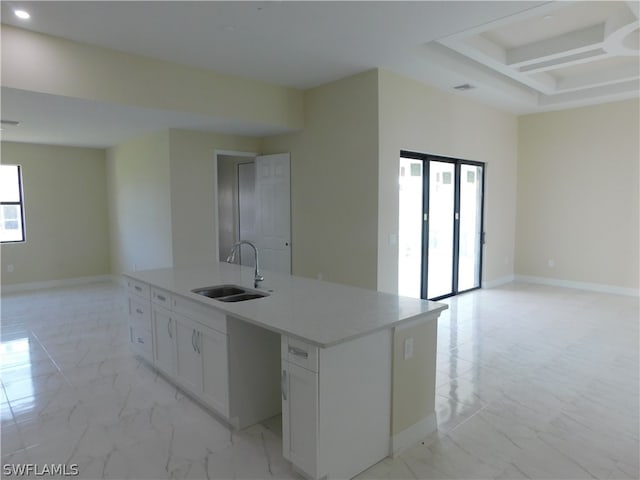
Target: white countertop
{"x": 318, "y": 312}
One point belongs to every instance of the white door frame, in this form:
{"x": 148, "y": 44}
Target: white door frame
{"x": 216, "y": 218}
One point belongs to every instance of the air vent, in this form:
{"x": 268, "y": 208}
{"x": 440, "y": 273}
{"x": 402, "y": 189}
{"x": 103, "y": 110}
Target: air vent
{"x": 10, "y": 123}
{"x": 463, "y": 87}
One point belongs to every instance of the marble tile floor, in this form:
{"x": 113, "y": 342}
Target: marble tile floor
{"x": 532, "y": 382}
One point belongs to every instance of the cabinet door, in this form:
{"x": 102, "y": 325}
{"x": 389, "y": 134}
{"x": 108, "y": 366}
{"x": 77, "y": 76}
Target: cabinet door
{"x": 215, "y": 381}
{"x": 164, "y": 335}
{"x": 300, "y": 417}
{"x": 189, "y": 364}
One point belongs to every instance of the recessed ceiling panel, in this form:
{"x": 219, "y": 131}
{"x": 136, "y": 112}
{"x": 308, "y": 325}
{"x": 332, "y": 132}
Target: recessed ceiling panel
{"x": 548, "y": 24}
{"x": 606, "y": 64}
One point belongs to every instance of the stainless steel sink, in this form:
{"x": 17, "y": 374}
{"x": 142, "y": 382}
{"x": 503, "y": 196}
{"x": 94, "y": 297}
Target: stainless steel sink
{"x": 219, "y": 291}
{"x": 241, "y": 297}
{"x": 229, "y": 293}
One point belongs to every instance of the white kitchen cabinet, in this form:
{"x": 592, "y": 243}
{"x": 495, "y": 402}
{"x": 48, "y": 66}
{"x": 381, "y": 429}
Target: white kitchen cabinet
{"x": 137, "y": 288}
{"x": 139, "y": 309}
{"x": 335, "y": 405}
{"x": 161, "y": 297}
{"x": 189, "y": 360}
{"x": 300, "y": 417}
{"x": 141, "y": 342}
{"x": 212, "y": 346}
{"x": 228, "y": 365}
{"x": 202, "y": 365}
{"x": 164, "y": 340}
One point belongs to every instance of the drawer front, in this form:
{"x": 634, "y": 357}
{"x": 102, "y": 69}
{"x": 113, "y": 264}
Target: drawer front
{"x": 141, "y": 341}
{"x": 140, "y": 313}
{"x": 138, "y": 288}
{"x": 299, "y": 353}
{"x": 203, "y": 314}
{"x": 161, "y": 297}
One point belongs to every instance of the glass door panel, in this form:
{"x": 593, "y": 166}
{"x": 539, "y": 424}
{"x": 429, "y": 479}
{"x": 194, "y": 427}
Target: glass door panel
{"x": 410, "y": 228}
{"x": 470, "y": 227}
{"x": 441, "y": 229}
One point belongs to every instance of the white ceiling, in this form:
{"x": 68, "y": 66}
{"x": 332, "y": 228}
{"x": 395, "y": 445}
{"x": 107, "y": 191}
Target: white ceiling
{"x": 305, "y": 44}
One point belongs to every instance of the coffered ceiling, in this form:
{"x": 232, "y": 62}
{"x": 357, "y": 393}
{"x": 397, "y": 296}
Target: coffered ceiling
{"x": 565, "y": 52}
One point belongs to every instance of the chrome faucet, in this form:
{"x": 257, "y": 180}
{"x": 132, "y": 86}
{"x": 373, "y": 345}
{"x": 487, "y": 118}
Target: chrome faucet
{"x": 232, "y": 256}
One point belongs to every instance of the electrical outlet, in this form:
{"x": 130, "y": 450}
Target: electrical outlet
{"x": 551, "y": 263}
{"x": 10, "y": 268}
{"x": 320, "y": 276}
{"x": 408, "y": 348}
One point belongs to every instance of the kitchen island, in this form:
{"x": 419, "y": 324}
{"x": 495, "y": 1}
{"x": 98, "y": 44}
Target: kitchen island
{"x": 351, "y": 370}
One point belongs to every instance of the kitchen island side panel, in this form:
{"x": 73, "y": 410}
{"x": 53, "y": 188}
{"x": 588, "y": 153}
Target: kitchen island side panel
{"x": 414, "y": 382}
{"x": 355, "y": 403}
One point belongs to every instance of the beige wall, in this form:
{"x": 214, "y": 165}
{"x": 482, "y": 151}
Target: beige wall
{"x": 162, "y": 198}
{"x": 193, "y": 191}
{"x": 419, "y": 118}
{"x": 42, "y": 63}
{"x": 334, "y": 181}
{"x": 578, "y": 195}
{"x": 65, "y": 202}
{"x": 414, "y": 379}
{"x": 140, "y": 204}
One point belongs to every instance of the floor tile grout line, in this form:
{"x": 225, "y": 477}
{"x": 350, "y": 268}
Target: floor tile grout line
{"x": 468, "y": 418}
{"x": 52, "y": 360}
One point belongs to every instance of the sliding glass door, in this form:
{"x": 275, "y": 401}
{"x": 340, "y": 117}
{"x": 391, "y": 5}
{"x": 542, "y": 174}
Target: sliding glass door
{"x": 410, "y": 228}
{"x": 440, "y": 225}
{"x": 441, "y": 229}
{"x": 470, "y": 226}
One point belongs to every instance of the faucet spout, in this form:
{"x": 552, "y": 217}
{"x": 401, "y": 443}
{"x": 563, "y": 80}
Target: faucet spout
{"x": 232, "y": 256}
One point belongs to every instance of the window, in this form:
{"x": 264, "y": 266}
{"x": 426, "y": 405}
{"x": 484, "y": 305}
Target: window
{"x": 11, "y": 204}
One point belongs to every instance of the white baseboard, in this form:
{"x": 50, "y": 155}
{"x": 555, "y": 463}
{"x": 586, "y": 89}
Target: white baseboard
{"x": 65, "y": 282}
{"x": 498, "y": 282}
{"x": 412, "y": 435}
{"x": 593, "y": 287}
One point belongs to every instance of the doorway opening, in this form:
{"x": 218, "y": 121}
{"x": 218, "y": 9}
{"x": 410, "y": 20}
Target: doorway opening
{"x": 440, "y": 225}
{"x": 254, "y": 204}
{"x": 236, "y": 205}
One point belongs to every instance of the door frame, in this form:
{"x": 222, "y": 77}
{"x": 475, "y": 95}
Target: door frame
{"x": 216, "y": 217}
{"x": 426, "y": 158}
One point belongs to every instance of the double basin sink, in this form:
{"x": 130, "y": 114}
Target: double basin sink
{"x": 229, "y": 293}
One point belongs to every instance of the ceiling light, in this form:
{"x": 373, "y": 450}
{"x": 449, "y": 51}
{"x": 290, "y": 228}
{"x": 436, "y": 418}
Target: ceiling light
{"x": 463, "y": 87}
{"x": 22, "y": 14}
{"x": 547, "y": 17}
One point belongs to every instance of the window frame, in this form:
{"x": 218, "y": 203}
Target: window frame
{"x": 19, "y": 203}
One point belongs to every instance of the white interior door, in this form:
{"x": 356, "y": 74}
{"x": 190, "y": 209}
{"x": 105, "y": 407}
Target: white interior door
{"x": 273, "y": 212}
